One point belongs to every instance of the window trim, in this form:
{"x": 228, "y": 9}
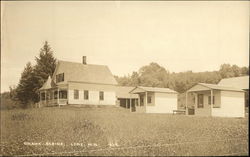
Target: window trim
{"x": 63, "y": 93}
{"x": 60, "y": 77}
{"x": 76, "y": 94}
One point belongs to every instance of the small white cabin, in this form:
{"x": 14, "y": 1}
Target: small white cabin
{"x": 154, "y": 100}
{"x": 216, "y": 100}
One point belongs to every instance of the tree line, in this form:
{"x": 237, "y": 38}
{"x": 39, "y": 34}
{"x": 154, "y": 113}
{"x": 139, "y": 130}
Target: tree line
{"x": 154, "y": 75}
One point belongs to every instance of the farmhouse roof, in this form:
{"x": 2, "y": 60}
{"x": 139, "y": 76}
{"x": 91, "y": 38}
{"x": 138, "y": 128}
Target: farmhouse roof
{"x": 218, "y": 87}
{"x": 153, "y": 89}
{"x": 88, "y": 73}
{"x": 237, "y": 82}
{"x": 123, "y": 92}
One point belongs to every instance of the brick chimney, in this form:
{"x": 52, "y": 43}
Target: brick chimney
{"x": 84, "y": 60}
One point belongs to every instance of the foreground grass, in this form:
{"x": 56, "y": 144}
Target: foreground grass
{"x": 115, "y": 131}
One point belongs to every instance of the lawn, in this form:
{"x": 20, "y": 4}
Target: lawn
{"x": 116, "y": 131}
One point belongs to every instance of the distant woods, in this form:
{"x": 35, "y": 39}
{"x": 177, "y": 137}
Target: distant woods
{"x": 32, "y": 78}
{"x": 157, "y": 76}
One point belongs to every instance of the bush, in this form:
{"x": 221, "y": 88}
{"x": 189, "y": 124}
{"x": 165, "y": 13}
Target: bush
{"x": 7, "y": 102}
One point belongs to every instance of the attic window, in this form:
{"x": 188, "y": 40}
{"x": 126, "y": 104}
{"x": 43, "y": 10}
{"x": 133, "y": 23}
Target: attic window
{"x": 60, "y": 77}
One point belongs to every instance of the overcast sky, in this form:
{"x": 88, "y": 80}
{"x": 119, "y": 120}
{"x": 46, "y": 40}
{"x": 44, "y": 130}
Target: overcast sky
{"x": 181, "y": 36}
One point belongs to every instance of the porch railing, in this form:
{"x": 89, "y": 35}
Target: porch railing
{"x": 53, "y": 102}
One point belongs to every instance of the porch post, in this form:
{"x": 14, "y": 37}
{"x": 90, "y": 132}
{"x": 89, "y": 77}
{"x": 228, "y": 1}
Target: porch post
{"x": 52, "y": 96}
{"x": 130, "y": 102}
{"x": 40, "y": 99}
{"x": 186, "y": 103}
{"x": 126, "y": 103}
{"x": 196, "y": 100}
{"x": 139, "y": 100}
{"x": 212, "y": 104}
{"x": 146, "y": 97}
{"x": 45, "y": 98}
{"x": 58, "y": 97}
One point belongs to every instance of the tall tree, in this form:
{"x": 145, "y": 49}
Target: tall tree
{"x": 226, "y": 71}
{"x": 25, "y": 89}
{"x": 153, "y": 75}
{"x": 45, "y": 66}
{"x": 244, "y": 71}
{"x": 236, "y": 70}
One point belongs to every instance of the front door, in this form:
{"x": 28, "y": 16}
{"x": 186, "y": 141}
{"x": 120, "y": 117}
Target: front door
{"x": 133, "y": 108}
{"x": 141, "y": 100}
{"x": 200, "y": 101}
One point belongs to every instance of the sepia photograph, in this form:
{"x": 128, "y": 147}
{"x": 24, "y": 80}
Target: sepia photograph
{"x": 124, "y": 78}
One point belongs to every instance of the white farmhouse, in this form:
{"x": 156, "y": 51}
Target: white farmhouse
{"x": 79, "y": 83}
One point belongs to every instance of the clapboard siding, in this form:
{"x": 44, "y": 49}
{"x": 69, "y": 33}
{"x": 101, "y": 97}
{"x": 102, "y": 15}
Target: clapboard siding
{"x": 232, "y": 105}
{"x": 164, "y": 103}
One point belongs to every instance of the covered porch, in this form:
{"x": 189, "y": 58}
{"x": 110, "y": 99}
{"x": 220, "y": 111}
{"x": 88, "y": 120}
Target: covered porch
{"x": 203, "y": 99}
{"x": 51, "y": 94}
{"x": 53, "y": 97}
{"x": 201, "y": 102}
{"x": 125, "y": 99}
{"x": 145, "y": 98}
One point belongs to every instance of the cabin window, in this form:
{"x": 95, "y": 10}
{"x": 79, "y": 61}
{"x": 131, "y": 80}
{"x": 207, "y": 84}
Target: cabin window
{"x": 209, "y": 100}
{"x": 60, "y": 77}
{"x": 76, "y": 94}
{"x": 63, "y": 94}
{"x": 86, "y": 95}
{"x": 101, "y": 95}
{"x": 149, "y": 99}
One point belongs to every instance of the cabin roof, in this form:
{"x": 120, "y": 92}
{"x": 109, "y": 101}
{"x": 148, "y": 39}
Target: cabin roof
{"x": 241, "y": 82}
{"x": 123, "y": 92}
{"x": 153, "y": 89}
{"x": 214, "y": 86}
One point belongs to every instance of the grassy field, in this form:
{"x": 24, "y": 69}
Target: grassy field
{"x": 116, "y": 131}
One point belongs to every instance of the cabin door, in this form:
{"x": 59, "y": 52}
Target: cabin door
{"x": 200, "y": 101}
{"x": 133, "y": 105}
